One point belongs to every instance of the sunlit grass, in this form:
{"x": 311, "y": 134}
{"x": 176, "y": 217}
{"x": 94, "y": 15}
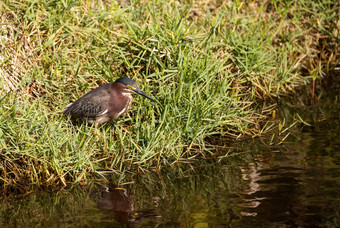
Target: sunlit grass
{"x": 212, "y": 67}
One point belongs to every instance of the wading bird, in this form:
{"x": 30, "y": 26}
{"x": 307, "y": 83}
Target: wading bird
{"x": 106, "y": 102}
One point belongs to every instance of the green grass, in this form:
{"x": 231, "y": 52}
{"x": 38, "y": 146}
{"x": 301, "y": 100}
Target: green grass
{"x": 213, "y": 67}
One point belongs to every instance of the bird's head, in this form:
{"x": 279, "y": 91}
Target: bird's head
{"x": 132, "y": 87}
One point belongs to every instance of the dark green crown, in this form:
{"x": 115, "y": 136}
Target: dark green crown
{"x": 127, "y": 81}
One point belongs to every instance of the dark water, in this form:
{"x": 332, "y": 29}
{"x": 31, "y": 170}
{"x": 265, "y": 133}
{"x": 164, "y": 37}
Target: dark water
{"x": 292, "y": 184}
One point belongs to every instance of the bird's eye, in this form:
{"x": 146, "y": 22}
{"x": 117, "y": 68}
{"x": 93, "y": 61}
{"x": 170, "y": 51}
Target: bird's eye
{"x": 130, "y": 87}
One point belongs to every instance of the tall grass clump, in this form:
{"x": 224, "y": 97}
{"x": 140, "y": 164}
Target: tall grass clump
{"x": 213, "y": 67}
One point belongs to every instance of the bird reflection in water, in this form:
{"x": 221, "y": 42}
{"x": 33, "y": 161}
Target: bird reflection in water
{"x": 120, "y": 201}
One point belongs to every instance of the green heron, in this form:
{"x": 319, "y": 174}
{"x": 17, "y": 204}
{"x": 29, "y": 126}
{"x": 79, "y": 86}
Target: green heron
{"x": 106, "y": 102}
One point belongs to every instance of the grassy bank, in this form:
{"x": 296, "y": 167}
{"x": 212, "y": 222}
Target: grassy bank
{"x": 215, "y": 69}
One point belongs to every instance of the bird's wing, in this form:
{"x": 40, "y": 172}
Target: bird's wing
{"x": 89, "y": 106}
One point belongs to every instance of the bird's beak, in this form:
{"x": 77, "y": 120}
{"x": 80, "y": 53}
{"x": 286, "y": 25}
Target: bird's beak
{"x": 139, "y": 91}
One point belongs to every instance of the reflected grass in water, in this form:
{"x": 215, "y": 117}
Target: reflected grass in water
{"x": 265, "y": 188}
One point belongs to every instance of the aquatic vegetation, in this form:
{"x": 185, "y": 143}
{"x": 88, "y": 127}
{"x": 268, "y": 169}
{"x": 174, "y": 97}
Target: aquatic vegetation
{"x": 215, "y": 69}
